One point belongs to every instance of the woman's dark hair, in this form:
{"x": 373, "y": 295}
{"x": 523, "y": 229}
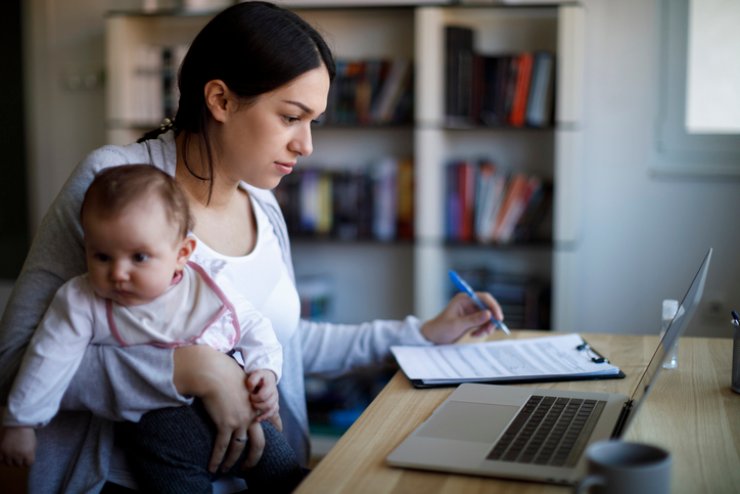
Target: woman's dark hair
{"x": 253, "y": 47}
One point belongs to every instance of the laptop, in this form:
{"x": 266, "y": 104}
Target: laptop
{"x": 534, "y": 434}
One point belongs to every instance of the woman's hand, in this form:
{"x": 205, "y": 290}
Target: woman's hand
{"x": 219, "y": 382}
{"x": 460, "y": 317}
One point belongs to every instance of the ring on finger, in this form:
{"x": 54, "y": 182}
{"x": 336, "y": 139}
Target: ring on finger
{"x": 239, "y": 439}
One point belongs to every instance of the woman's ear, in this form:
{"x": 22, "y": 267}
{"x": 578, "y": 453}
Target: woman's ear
{"x": 186, "y": 250}
{"x": 218, "y": 99}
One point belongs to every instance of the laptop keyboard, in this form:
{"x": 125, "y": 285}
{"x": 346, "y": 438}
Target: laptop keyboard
{"x": 548, "y": 431}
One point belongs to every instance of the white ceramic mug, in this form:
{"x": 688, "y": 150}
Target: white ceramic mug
{"x": 617, "y": 467}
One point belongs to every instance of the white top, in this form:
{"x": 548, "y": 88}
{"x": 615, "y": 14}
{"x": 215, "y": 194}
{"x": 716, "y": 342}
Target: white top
{"x": 260, "y": 276}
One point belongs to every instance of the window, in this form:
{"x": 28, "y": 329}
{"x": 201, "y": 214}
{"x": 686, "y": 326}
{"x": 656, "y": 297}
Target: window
{"x": 695, "y": 148}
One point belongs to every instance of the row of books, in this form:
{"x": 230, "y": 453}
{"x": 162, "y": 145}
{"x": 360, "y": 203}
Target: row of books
{"x": 488, "y": 204}
{"x": 371, "y": 92}
{"x": 496, "y": 89}
{"x": 525, "y": 300}
{"x": 153, "y": 90}
{"x": 375, "y": 202}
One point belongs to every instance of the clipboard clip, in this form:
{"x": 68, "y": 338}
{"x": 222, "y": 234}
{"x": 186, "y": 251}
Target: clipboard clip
{"x": 592, "y": 354}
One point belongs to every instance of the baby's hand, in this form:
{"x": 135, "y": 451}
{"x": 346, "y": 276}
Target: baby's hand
{"x": 262, "y": 387}
{"x": 17, "y": 446}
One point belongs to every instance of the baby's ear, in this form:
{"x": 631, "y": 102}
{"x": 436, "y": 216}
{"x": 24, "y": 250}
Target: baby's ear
{"x": 187, "y": 246}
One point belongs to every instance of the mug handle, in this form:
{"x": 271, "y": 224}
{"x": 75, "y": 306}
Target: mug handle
{"x": 585, "y": 484}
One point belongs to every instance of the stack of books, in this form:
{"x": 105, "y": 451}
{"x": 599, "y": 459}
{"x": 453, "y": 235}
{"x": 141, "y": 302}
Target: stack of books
{"x": 371, "y": 92}
{"x": 487, "y": 204}
{"x": 367, "y": 203}
{"x": 525, "y": 300}
{"x": 496, "y": 89}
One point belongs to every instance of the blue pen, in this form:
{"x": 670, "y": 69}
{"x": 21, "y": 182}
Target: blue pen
{"x": 464, "y": 287}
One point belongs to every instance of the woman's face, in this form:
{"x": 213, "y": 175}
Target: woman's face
{"x": 262, "y": 142}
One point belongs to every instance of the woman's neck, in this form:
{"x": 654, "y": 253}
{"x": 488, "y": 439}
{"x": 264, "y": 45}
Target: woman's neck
{"x": 204, "y": 187}
{"x": 223, "y": 215}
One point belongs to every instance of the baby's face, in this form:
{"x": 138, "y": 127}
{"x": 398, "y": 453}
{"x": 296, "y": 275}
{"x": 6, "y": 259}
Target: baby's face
{"x": 132, "y": 255}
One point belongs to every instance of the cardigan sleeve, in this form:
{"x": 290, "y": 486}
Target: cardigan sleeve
{"x": 333, "y": 349}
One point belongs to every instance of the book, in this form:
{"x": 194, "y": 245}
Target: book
{"x": 517, "y": 117}
{"x": 518, "y": 196}
{"x": 510, "y": 205}
{"x": 565, "y": 357}
{"x": 385, "y": 195}
{"x": 494, "y": 103}
{"x": 540, "y": 106}
{"x": 395, "y": 85}
{"x": 466, "y": 182}
{"x": 459, "y": 67}
{"x": 489, "y": 194}
{"x": 452, "y": 202}
{"x": 352, "y": 204}
{"x": 405, "y": 201}
{"x": 536, "y": 222}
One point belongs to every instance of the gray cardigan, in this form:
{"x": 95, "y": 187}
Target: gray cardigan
{"x": 74, "y": 449}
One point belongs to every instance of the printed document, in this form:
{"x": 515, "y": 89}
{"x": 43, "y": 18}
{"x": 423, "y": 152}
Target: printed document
{"x": 549, "y": 358}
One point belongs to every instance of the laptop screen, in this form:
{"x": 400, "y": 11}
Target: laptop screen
{"x": 677, "y": 326}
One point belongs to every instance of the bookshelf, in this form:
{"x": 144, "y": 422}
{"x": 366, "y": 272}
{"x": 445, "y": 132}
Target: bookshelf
{"x": 551, "y": 152}
{"x": 356, "y": 278}
{"x": 404, "y": 276}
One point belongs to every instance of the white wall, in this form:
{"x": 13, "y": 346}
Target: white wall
{"x": 643, "y": 236}
{"x": 64, "y": 46}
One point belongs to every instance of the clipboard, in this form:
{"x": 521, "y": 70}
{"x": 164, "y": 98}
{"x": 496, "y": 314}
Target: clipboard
{"x": 566, "y": 357}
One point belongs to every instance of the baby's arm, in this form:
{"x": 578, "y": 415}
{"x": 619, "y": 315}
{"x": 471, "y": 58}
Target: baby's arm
{"x": 262, "y": 355}
{"x": 17, "y": 446}
{"x": 51, "y": 359}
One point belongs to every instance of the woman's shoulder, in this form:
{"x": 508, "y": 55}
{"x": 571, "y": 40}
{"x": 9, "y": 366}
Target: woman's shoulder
{"x": 154, "y": 151}
{"x": 112, "y": 154}
{"x": 157, "y": 152}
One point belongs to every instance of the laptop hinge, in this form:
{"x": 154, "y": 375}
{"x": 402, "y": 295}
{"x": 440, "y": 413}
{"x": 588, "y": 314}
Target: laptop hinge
{"x": 619, "y": 426}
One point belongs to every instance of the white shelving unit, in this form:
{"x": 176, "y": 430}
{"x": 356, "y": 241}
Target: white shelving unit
{"x": 552, "y": 153}
{"x": 390, "y": 280}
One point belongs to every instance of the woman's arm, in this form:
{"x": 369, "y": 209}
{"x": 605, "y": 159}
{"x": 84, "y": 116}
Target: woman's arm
{"x": 332, "y": 349}
{"x": 149, "y": 378}
{"x": 56, "y": 255}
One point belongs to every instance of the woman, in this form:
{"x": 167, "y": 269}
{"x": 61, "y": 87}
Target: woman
{"x": 251, "y": 84}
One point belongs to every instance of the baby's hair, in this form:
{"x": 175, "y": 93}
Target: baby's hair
{"x": 116, "y": 187}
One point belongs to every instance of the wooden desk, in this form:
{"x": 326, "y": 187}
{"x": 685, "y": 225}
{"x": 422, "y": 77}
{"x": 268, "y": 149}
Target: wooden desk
{"x": 691, "y": 411}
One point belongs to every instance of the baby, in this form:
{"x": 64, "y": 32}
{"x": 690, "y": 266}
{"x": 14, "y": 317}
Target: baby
{"x": 141, "y": 288}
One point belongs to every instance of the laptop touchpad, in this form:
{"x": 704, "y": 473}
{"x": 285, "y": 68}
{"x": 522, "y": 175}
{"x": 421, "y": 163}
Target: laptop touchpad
{"x": 464, "y": 421}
